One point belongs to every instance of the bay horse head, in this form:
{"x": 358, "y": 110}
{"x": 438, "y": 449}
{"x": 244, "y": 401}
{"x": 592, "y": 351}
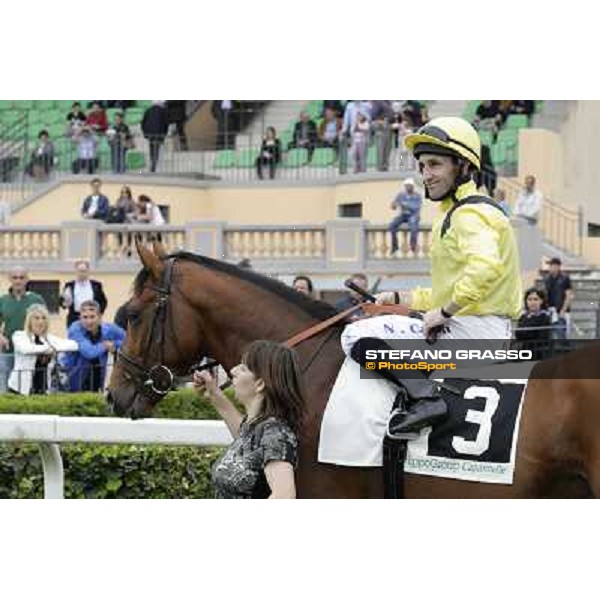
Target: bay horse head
{"x": 158, "y": 335}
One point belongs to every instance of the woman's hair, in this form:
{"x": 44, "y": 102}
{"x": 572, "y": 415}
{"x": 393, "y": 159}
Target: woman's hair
{"x": 541, "y": 293}
{"x": 272, "y": 130}
{"x": 31, "y": 311}
{"x": 127, "y": 191}
{"x": 306, "y": 278}
{"x": 278, "y": 367}
{"x": 143, "y": 198}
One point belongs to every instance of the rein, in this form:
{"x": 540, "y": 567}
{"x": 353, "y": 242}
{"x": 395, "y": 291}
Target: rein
{"x": 156, "y": 381}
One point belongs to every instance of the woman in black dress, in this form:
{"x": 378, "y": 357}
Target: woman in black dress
{"x": 261, "y": 460}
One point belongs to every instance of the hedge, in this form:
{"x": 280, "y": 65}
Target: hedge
{"x": 109, "y": 471}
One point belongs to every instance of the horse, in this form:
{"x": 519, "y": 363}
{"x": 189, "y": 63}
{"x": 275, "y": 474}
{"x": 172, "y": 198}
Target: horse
{"x": 186, "y": 306}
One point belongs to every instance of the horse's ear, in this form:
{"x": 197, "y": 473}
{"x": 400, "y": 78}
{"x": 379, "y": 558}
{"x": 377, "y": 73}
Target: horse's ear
{"x": 158, "y": 248}
{"x": 148, "y": 258}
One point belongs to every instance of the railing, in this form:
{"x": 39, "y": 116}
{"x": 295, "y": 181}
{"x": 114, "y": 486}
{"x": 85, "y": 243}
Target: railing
{"x": 30, "y": 243}
{"x": 275, "y": 242}
{"x": 561, "y": 226}
{"x": 379, "y": 243}
{"x": 48, "y": 431}
{"x": 116, "y": 242}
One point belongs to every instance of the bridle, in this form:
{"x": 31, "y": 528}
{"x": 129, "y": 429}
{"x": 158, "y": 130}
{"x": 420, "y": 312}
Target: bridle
{"x": 156, "y": 381}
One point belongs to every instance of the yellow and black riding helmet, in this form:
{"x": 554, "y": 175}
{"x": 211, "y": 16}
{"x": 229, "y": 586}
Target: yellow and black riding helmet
{"x": 448, "y": 136}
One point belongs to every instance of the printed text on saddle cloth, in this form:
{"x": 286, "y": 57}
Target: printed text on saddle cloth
{"x": 399, "y": 327}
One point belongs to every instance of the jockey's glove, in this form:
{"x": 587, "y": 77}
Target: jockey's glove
{"x": 434, "y": 318}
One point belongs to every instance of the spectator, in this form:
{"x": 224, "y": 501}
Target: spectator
{"x": 487, "y": 177}
{"x": 96, "y": 205}
{"x": 155, "y": 125}
{"x": 351, "y": 298}
{"x": 13, "y": 308}
{"x": 96, "y": 340}
{"x": 75, "y": 119}
{"x": 270, "y": 153}
{"x": 86, "y": 151}
{"x": 397, "y": 124}
{"x": 353, "y": 107}
{"x": 148, "y": 212}
{"x": 303, "y": 285}
{"x": 42, "y": 158}
{"x": 414, "y": 113}
{"x": 382, "y": 117}
{"x": 488, "y": 116}
{"x": 529, "y": 201}
{"x": 408, "y": 204}
{"x": 124, "y": 209}
{"x": 225, "y": 113}
{"x": 305, "y": 134}
{"x": 534, "y": 328}
{"x": 334, "y": 105}
{"x": 80, "y": 290}
{"x": 560, "y": 297}
{"x": 360, "y": 143}
{"x": 35, "y": 353}
{"x": 500, "y": 198}
{"x": 120, "y": 140}
{"x": 96, "y": 119}
{"x": 329, "y": 129}
{"x": 523, "y": 107}
{"x": 176, "y": 115}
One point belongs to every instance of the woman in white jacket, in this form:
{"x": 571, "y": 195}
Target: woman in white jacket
{"x": 35, "y": 353}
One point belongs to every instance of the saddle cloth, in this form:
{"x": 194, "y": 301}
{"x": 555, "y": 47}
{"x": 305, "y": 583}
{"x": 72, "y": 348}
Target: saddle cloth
{"x": 476, "y": 443}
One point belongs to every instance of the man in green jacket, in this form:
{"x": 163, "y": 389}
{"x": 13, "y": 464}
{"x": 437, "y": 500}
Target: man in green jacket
{"x": 13, "y": 307}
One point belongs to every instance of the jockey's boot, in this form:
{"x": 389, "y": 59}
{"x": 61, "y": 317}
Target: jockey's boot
{"x": 425, "y": 405}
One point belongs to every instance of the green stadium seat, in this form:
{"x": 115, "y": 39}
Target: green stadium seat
{"x": 110, "y": 114}
{"x": 246, "y": 158}
{"x": 471, "y": 109}
{"x": 5, "y": 104}
{"x": 323, "y": 157}
{"x": 57, "y": 130}
{"x": 45, "y": 104}
{"x": 508, "y": 137}
{"x": 499, "y": 155}
{"x": 224, "y": 159}
{"x": 372, "y": 157}
{"x": 314, "y": 108}
{"x": 136, "y": 160}
{"x": 296, "y": 157}
{"x": 23, "y": 104}
{"x": 516, "y": 122}
{"x": 134, "y": 116}
{"x": 285, "y": 137}
{"x": 486, "y": 137}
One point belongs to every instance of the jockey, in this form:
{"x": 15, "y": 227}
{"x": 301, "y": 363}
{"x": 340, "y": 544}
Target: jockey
{"x": 475, "y": 273}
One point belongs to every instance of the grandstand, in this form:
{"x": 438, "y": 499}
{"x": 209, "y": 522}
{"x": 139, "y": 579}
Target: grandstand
{"x": 316, "y": 217}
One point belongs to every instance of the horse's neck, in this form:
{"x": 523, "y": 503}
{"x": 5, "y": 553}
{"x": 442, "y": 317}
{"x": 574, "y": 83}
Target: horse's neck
{"x": 227, "y": 336}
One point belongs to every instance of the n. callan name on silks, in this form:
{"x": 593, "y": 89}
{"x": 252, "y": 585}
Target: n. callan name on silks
{"x": 498, "y": 354}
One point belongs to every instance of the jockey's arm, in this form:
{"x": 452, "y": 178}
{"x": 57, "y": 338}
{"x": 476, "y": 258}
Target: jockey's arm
{"x": 479, "y": 244}
{"x": 417, "y": 298}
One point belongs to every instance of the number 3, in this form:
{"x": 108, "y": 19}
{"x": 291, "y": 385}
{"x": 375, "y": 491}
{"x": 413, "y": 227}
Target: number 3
{"x": 482, "y": 418}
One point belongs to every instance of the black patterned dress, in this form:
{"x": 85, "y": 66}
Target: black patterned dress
{"x": 240, "y": 472}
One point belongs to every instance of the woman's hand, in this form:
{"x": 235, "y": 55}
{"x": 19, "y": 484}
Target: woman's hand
{"x": 205, "y": 383}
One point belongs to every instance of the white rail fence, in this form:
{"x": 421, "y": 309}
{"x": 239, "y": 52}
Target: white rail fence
{"x": 49, "y": 431}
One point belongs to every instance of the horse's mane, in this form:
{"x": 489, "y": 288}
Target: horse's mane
{"x": 315, "y": 308}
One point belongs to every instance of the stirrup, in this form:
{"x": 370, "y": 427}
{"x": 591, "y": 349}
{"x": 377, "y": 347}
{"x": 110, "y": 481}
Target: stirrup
{"x": 407, "y": 436}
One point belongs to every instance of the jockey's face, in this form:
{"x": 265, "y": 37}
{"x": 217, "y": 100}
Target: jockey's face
{"x": 439, "y": 174}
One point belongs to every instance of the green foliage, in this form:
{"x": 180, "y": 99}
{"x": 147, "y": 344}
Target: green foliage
{"x": 110, "y": 471}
